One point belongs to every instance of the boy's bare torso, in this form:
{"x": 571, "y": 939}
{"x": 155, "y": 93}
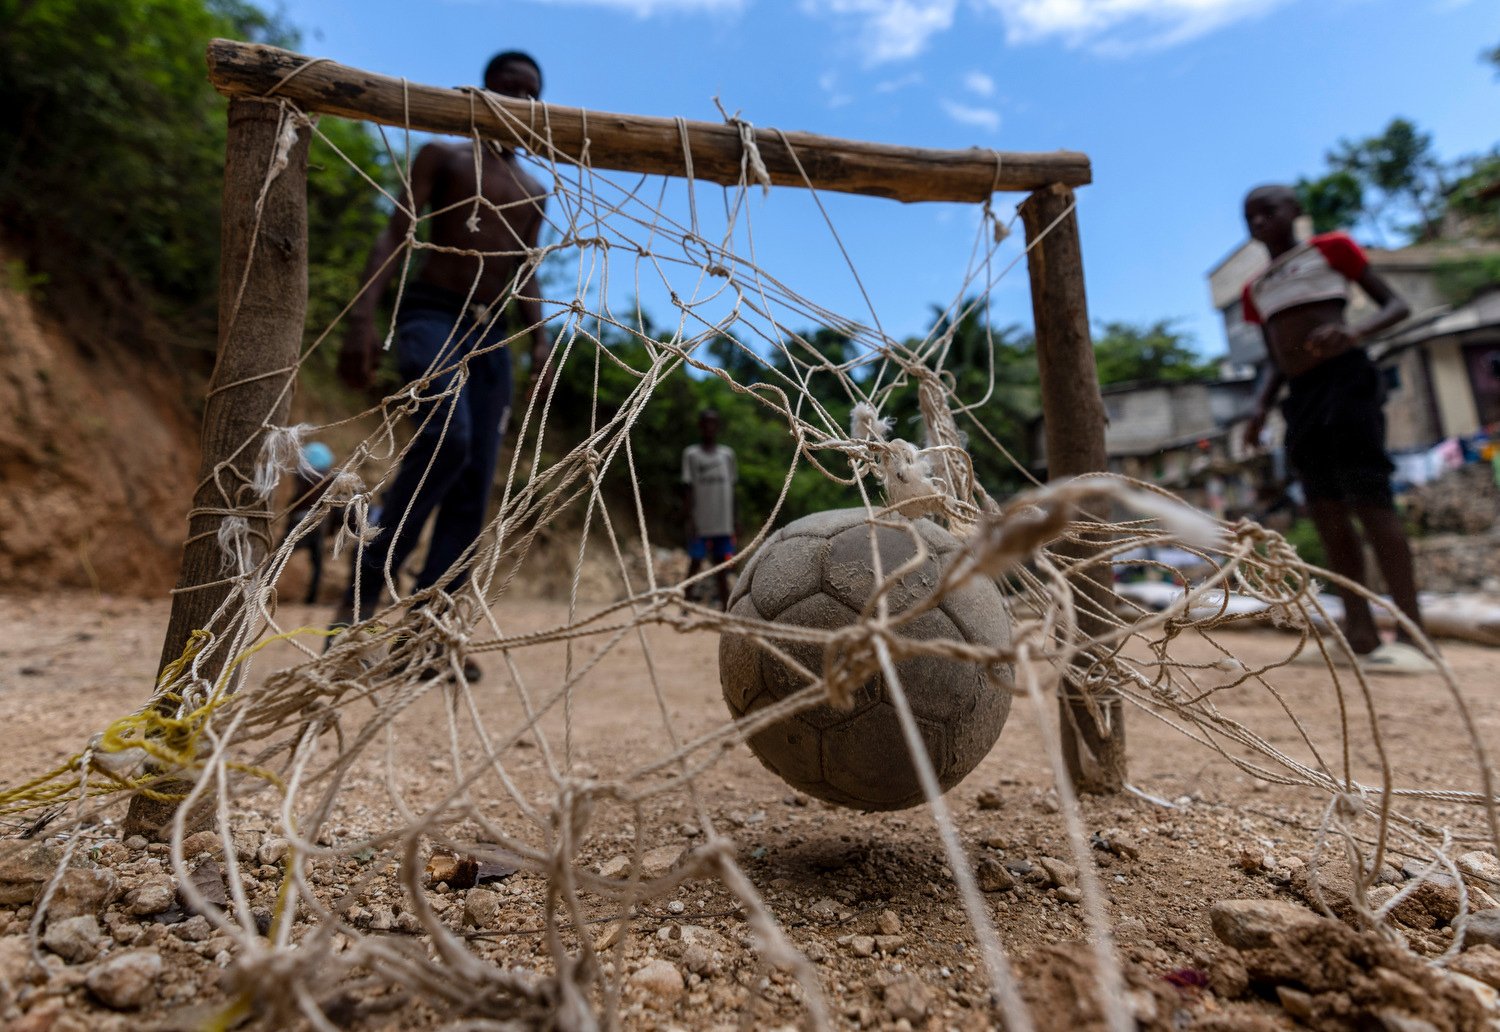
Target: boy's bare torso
{"x": 508, "y": 213}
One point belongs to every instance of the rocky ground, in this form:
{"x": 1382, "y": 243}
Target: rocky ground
{"x": 1208, "y": 881}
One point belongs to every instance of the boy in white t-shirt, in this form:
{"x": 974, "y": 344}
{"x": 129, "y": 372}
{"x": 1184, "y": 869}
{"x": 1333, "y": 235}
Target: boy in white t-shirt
{"x": 708, "y": 478}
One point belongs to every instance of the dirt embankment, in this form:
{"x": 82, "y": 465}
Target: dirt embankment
{"x": 98, "y": 456}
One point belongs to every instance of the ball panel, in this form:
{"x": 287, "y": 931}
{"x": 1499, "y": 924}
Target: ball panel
{"x": 739, "y": 662}
{"x": 781, "y": 680}
{"x": 789, "y": 749}
{"x": 936, "y": 538}
{"x": 973, "y": 733}
{"x": 866, "y": 758}
{"x": 972, "y": 607}
{"x": 823, "y": 524}
{"x": 936, "y": 688}
{"x": 788, "y": 573}
{"x": 849, "y": 569}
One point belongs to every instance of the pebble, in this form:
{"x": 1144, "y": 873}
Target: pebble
{"x": 203, "y": 842}
{"x": 1483, "y": 928}
{"x": 126, "y": 981}
{"x": 24, "y": 867}
{"x": 889, "y": 922}
{"x": 862, "y": 945}
{"x": 698, "y": 959}
{"x": 1254, "y": 923}
{"x": 676, "y": 906}
{"x": 153, "y": 894}
{"x": 661, "y": 979}
{"x": 74, "y": 939}
{"x": 889, "y": 943}
{"x": 272, "y": 851}
{"x": 81, "y": 891}
{"x": 194, "y": 929}
{"x": 992, "y": 876}
{"x": 1069, "y": 894}
{"x": 907, "y": 999}
{"x": 616, "y": 867}
{"x": 1480, "y": 962}
{"x": 1059, "y": 872}
{"x": 481, "y": 908}
{"x": 657, "y": 862}
{"x": 990, "y": 799}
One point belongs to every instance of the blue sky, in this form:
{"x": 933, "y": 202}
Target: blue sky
{"x": 1182, "y": 105}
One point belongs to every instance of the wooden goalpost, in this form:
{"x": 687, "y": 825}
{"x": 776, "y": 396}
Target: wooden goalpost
{"x": 263, "y": 302}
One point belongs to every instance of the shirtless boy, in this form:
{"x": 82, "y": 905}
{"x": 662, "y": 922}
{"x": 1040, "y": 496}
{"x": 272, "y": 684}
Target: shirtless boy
{"x": 1335, "y": 423}
{"x": 448, "y": 313}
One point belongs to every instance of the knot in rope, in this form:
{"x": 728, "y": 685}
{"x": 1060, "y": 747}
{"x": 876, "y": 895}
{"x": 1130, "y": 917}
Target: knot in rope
{"x": 751, "y": 165}
{"x": 849, "y": 662}
{"x": 234, "y": 545}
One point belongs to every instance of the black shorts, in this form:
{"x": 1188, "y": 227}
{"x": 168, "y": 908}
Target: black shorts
{"x": 1335, "y": 431}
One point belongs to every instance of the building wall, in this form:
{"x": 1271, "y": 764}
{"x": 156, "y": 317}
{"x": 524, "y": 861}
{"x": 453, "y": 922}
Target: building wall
{"x": 1410, "y": 416}
{"x": 1452, "y": 387}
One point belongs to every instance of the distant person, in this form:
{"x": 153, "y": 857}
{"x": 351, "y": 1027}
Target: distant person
{"x": 1335, "y": 420}
{"x": 307, "y": 490}
{"x": 708, "y": 478}
{"x": 448, "y": 311}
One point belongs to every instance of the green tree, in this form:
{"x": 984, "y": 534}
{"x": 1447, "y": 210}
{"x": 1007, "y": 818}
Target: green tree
{"x": 1334, "y": 201}
{"x": 112, "y": 152}
{"x": 1126, "y": 352}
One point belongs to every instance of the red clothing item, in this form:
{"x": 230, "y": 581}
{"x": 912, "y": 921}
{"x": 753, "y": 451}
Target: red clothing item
{"x": 1318, "y": 269}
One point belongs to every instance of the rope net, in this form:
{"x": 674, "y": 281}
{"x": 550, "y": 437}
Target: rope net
{"x": 337, "y": 844}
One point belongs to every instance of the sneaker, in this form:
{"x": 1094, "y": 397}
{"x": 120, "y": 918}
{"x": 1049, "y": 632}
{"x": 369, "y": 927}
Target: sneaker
{"x": 1397, "y": 657}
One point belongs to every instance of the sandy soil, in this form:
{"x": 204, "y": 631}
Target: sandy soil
{"x": 833, "y": 878}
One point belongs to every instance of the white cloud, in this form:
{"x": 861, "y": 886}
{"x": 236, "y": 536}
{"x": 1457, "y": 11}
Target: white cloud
{"x": 978, "y": 82}
{"x": 1122, "y": 25}
{"x": 891, "y": 30}
{"x": 835, "y": 97}
{"x": 984, "y": 118}
{"x": 901, "y": 82}
{"x": 646, "y": 8}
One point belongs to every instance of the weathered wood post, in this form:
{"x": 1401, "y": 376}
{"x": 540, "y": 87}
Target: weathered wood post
{"x": 1073, "y": 423}
{"x": 261, "y": 315}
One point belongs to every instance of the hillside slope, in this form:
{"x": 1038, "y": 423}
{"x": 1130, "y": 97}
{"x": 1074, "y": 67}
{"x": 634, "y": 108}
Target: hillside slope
{"x": 98, "y": 453}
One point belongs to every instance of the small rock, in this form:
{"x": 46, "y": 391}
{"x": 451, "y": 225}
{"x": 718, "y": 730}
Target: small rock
{"x": 676, "y": 906}
{"x": 889, "y": 922}
{"x": 194, "y": 929}
{"x": 203, "y": 842}
{"x": 1249, "y": 924}
{"x": 1059, "y": 872}
{"x": 1481, "y": 991}
{"x": 990, "y": 799}
{"x": 1295, "y": 1002}
{"x": 1131, "y": 930}
{"x": 1070, "y": 894}
{"x": 889, "y": 943}
{"x": 1116, "y": 841}
{"x": 907, "y": 998}
{"x": 24, "y": 866}
{"x": 81, "y": 891}
{"x": 1483, "y": 928}
{"x": 992, "y": 876}
{"x": 273, "y": 851}
{"x": 698, "y": 959}
{"x": 862, "y": 945}
{"x": 75, "y": 939}
{"x": 382, "y": 918}
{"x": 151, "y": 895}
{"x": 1019, "y": 868}
{"x": 208, "y": 881}
{"x": 616, "y": 867}
{"x": 661, "y": 979}
{"x": 1479, "y": 962}
{"x": 126, "y": 981}
{"x": 657, "y": 862}
{"x": 482, "y": 908}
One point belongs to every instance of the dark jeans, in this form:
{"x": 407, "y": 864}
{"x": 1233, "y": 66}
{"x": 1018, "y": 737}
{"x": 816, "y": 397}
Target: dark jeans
{"x": 449, "y": 467}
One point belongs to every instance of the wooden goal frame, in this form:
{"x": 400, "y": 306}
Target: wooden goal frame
{"x": 263, "y": 302}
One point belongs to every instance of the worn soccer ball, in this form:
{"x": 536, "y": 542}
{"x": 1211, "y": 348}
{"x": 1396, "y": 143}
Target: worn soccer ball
{"x": 819, "y": 572}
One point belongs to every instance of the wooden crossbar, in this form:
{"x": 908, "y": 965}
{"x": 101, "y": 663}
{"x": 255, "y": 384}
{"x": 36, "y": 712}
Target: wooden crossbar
{"x": 638, "y": 143}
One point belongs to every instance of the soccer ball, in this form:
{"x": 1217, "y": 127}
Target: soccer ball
{"x": 819, "y": 572}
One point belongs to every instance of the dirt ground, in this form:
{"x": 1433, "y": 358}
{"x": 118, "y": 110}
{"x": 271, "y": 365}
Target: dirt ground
{"x": 868, "y": 898}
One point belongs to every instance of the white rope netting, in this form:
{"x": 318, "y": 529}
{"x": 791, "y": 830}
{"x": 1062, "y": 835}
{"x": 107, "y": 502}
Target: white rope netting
{"x": 287, "y": 748}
